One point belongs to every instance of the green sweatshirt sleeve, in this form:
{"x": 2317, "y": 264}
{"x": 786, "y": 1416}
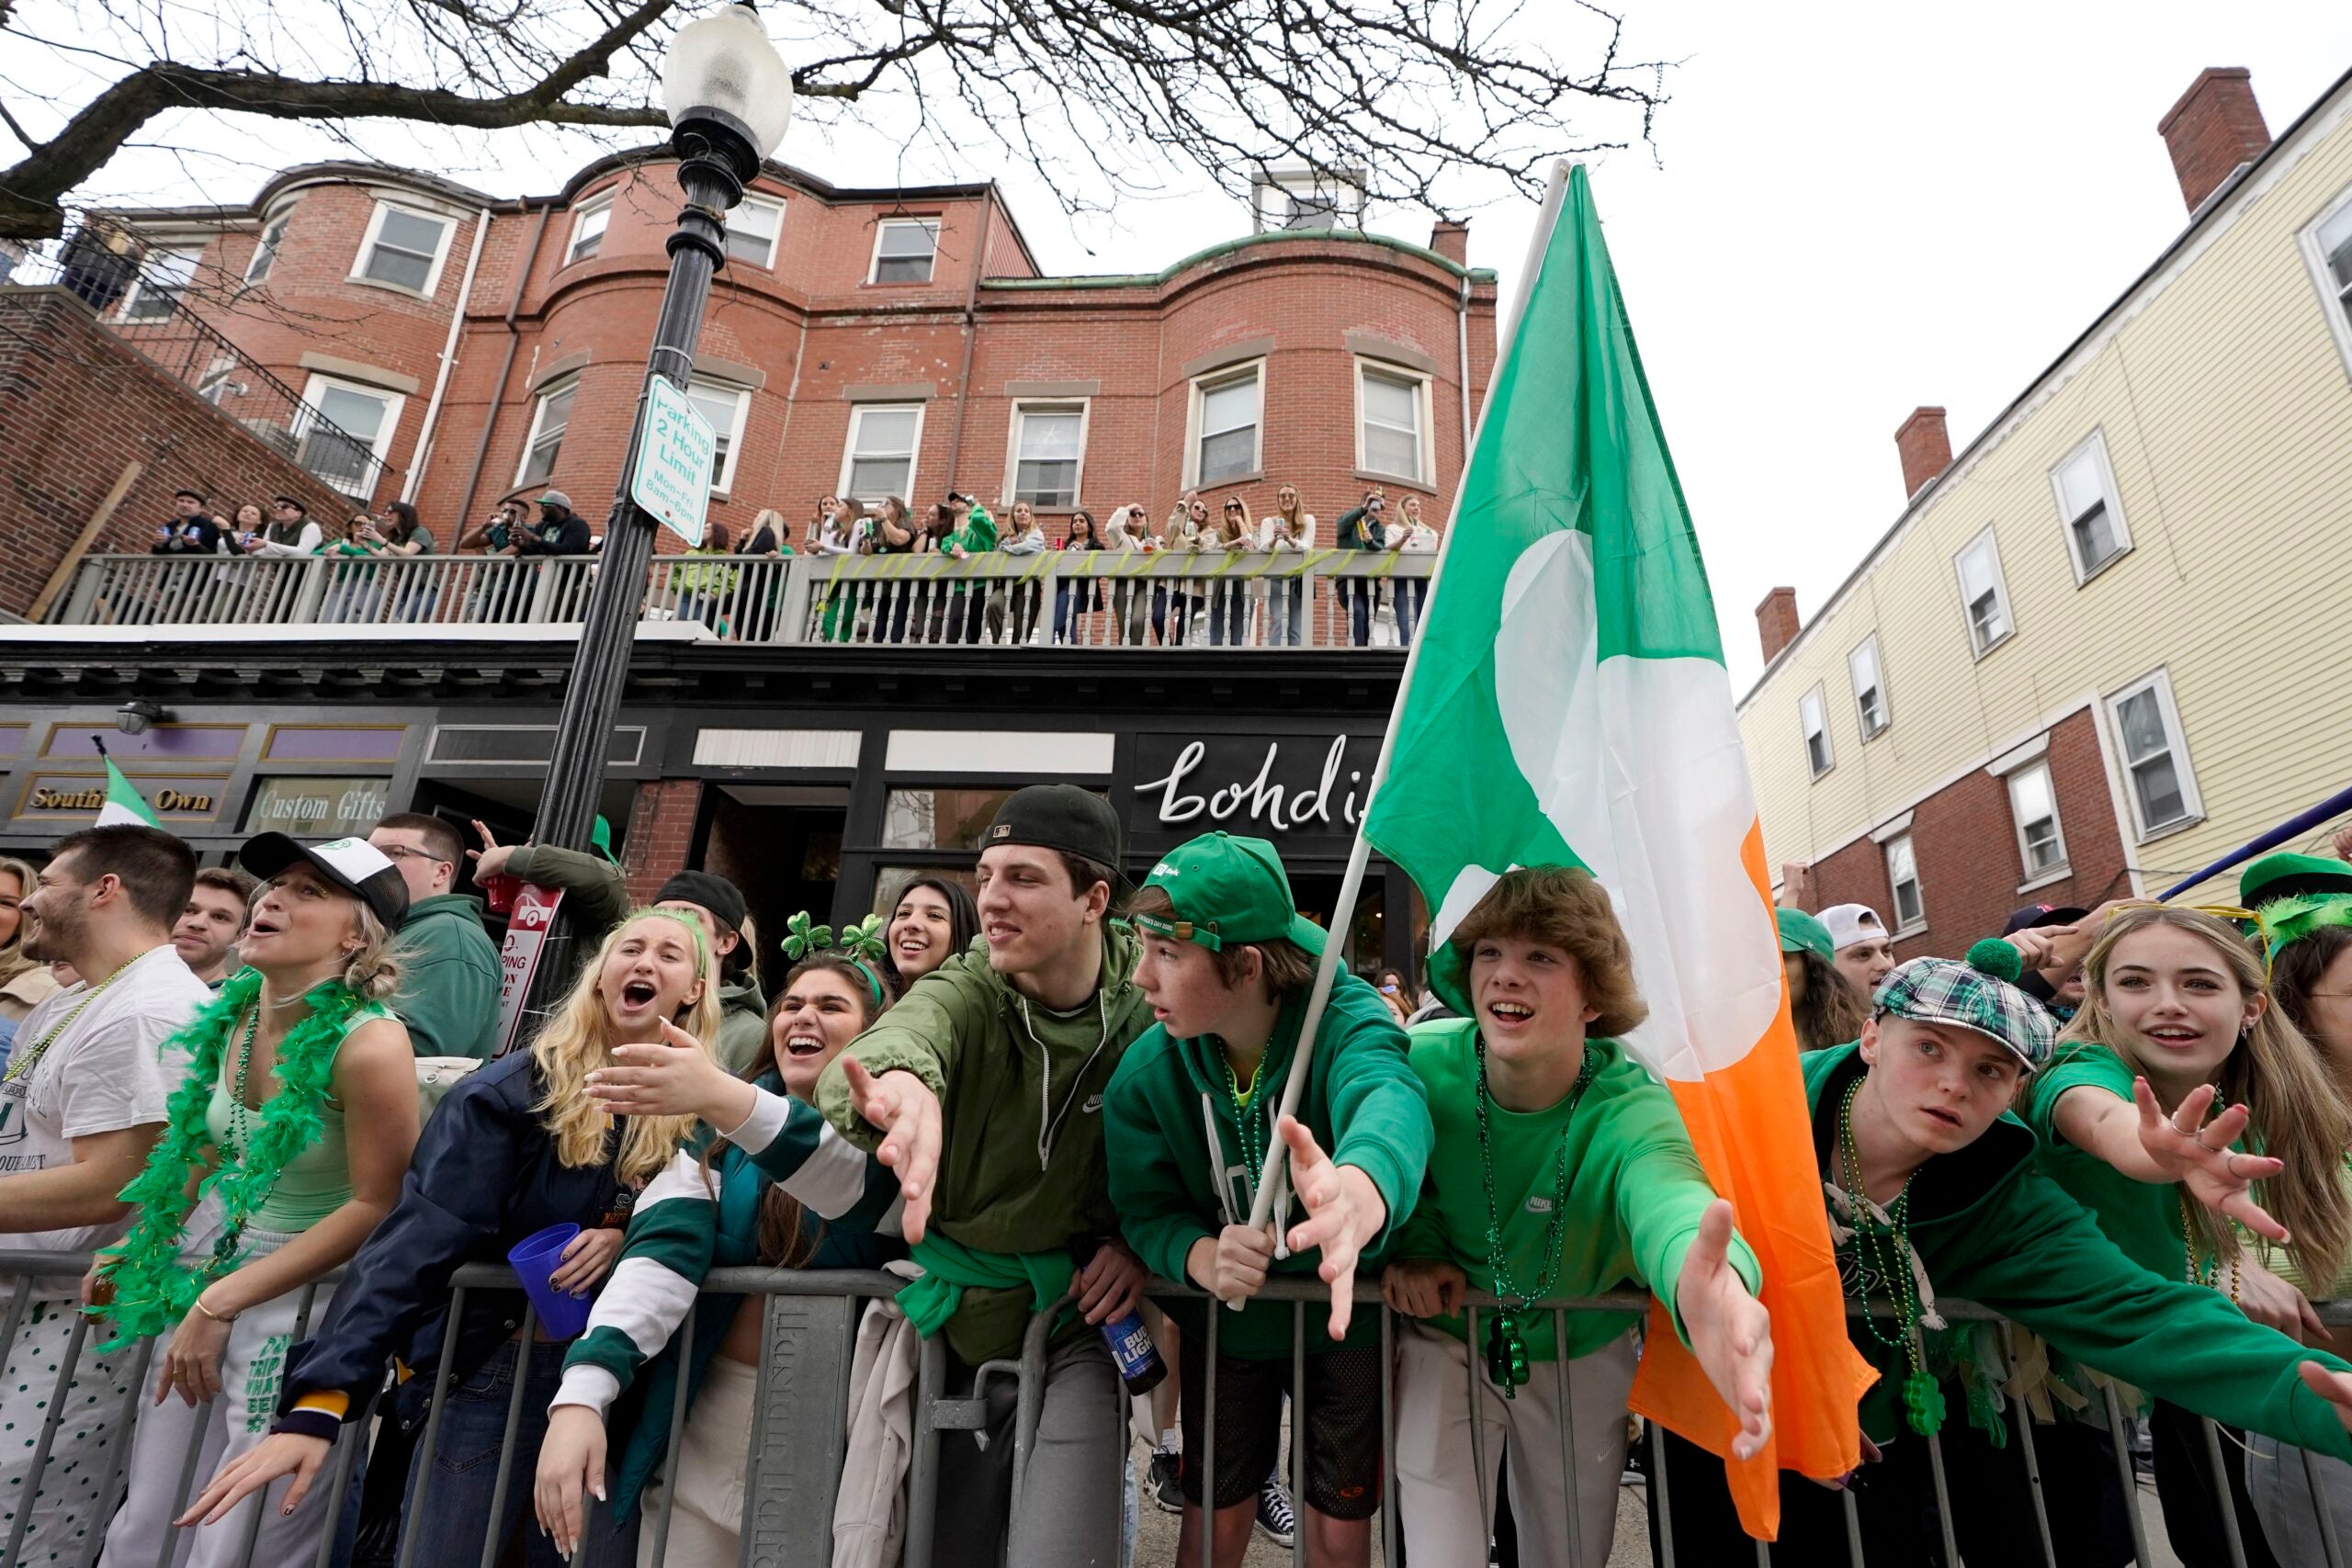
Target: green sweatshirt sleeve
{"x": 2043, "y": 1261}
{"x": 980, "y": 529}
{"x": 1157, "y": 1214}
{"x": 923, "y": 1034}
{"x": 594, "y": 890}
{"x": 449, "y": 996}
{"x": 1380, "y": 1112}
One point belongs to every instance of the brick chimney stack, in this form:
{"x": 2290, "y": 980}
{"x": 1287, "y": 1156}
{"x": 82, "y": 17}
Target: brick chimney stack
{"x": 1776, "y": 621}
{"x": 1925, "y": 447}
{"x": 2214, "y": 128}
{"x": 1451, "y": 241}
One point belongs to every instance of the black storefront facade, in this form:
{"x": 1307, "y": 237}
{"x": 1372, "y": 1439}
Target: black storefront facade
{"x": 816, "y": 777}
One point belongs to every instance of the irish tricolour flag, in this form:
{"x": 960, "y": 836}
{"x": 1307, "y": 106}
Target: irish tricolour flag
{"x": 124, "y": 804}
{"x": 1568, "y": 706}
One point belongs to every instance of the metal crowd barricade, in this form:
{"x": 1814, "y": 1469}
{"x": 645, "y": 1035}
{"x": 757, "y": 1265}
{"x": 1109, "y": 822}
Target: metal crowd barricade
{"x": 793, "y": 1466}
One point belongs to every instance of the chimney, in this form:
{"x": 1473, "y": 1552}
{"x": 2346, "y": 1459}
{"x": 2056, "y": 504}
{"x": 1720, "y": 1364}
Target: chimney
{"x": 1776, "y": 621}
{"x": 2213, "y": 130}
{"x": 1925, "y": 447}
{"x": 1451, "y": 241}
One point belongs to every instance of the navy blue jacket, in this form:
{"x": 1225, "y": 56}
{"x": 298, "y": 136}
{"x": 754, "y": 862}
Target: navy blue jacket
{"x": 484, "y": 1176}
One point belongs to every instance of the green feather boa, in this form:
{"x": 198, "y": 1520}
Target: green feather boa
{"x": 2285, "y": 921}
{"x": 152, "y": 1289}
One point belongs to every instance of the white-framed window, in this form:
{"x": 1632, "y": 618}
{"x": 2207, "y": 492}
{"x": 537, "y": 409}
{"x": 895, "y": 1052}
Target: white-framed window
{"x": 725, "y": 405}
{"x": 2089, "y": 507}
{"x": 2033, "y": 807}
{"x": 904, "y": 249}
{"x": 588, "y": 226}
{"x": 878, "y": 460}
{"x": 1392, "y": 422}
{"x": 550, "y": 419}
{"x": 1984, "y": 597}
{"x": 163, "y": 277}
{"x": 2154, "y": 755}
{"x": 752, "y": 226}
{"x": 363, "y": 418}
{"x": 1870, "y": 709}
{"x": 264, "y": 256}
{"x": 1048, "y": 454}
{"x": 1909, "y": 908}
{"x": 404, "y": 248}
{"x": 2327, "y": 251}
{"x": 1812, "y": 717}
{"x": 1228, "y": 425}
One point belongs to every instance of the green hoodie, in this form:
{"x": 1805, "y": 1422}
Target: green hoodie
{"x": 742, "y": 1023}
{"x": 450, "y": 978}
{"x": 1361, "y": 1100}
{"x": 1990, "y": 1227}
{"x": 1022, "y": 1167}
{"x": 1635, "y": 1190}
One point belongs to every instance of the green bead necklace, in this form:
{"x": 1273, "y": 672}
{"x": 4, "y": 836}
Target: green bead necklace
{"x": 1508, "y": 1363}
{"x": 1887, "y": 1252}
{"x": 1250, "y": 1128}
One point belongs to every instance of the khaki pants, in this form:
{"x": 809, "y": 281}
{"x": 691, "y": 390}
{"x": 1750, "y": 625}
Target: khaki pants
{"x": 1448, "y": 1513}
{"x": 707, "y": 1516}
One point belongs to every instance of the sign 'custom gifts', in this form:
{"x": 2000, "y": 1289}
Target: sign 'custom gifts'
{"x": 1282, "y": 787}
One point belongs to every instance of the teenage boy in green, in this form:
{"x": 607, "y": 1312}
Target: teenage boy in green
{"x": 1914, "y": 1118}
{"x": 983, "y": 1090}
{"x": 1562, "y": 1170}
{"x": 1227, "y": 961}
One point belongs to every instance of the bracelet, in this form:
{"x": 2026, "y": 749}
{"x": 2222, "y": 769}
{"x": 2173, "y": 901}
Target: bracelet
{"x": 211, "y": 1313}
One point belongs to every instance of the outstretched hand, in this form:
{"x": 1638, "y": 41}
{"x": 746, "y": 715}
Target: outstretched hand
{"x": 675, "y": 1076}
{"x": 1730, "y": 1331}
{"x": 2197, "y": 1154}
{"x": 1344, "y": 1214}
{"x": 903, "y": 1108}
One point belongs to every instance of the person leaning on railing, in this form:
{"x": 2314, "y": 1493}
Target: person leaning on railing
{"x": 296, "y": 1121}
{"x": 981, "y": 1090}
{"x": 1413, "y": 537}
{"x": 516, "y": 1147}
{"x": 559, "y": 532}
{"x": 1561, "y": 1169}
{"x": 779, "y": 1188}
{"x": 1363, "y": 528}
{"x": 1189, "y": 1119}
{"x": 1290, "y": 530}
{"x": 290, "y": 531}
{"x": 1932, "y": 1188}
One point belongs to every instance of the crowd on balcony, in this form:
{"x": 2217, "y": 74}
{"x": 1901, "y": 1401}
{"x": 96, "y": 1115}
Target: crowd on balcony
{"x": 1270, "y": 603}
{"x": 271, "y": 1100}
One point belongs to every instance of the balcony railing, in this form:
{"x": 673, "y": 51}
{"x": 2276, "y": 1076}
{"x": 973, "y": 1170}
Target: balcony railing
{"x": 1321, "y": 599}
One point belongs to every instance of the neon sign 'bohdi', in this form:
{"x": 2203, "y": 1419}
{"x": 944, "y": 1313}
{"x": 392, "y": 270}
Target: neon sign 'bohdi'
{"x": 1280, "y": 807}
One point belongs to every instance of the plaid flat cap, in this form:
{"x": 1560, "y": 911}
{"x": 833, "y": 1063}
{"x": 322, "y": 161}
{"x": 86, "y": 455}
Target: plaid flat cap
{"x": 1978, "y": 994}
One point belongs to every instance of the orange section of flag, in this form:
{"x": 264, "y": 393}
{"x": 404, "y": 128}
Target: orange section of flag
{"x": 1752, "y": 1132}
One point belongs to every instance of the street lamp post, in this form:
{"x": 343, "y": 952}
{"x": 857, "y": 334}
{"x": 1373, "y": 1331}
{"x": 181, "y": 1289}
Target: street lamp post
{"x": 728, "y": 95}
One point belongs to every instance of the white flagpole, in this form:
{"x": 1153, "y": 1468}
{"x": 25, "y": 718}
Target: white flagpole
{"x": 1326, "y": 973}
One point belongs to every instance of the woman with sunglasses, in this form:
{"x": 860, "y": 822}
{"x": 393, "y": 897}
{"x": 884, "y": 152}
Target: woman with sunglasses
{"x": 1229, "y": 596}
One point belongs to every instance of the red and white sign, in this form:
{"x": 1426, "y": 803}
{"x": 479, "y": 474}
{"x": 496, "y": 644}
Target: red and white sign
{"x": 518, "y": 959}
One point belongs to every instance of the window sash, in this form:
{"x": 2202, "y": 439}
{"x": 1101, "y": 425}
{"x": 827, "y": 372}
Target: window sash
{"x": 904, "y": 251}
{"x": 2148, "y": 734}
{"x": 1048, "y": 448}
{"x": 2336, "y": 251}
{"x": 881, "y": 458}
{"x": 265, "y": 254}
{"x": 1813, "y": 715}
{"x": 752, "y": 227}
{"x": 588, "y": 234}
{"x": 2034, "y": 801}
{"x": 1870, "y": 698}
{"x": 360, "y": 421}
{"x": 1230, "y": 411}
{"x": 1903, "y": 881}
{"x": 163, "y": 277}
{"x": 723, "y": 406}
{"x": 407, "y": 260}
{"x": 549, "y": 423}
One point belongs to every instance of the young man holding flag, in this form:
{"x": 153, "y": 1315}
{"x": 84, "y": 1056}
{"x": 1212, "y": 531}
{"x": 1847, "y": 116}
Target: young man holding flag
{"x": 1227, "y": 963}
{"x": 1561, "y": 1170}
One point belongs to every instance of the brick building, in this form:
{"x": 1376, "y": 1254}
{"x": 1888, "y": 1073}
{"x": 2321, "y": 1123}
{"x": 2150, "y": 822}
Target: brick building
{"x": 894, "y": 341}
{"x": 2087, "y": 660}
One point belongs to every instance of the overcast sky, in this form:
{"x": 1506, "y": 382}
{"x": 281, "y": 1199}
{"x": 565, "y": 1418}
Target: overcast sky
{"x": 1847, "y": 211}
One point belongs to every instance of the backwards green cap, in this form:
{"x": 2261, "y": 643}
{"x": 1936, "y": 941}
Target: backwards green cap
{"x": 1228, "y": 892}
{"x": 1800, "y": 933}
{"x": 2274, "y": 878}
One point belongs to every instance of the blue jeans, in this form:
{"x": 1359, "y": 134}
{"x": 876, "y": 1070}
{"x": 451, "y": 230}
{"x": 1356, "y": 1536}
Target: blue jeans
{"x": 1412, "y": 593}
{"x": 1286, "y": 613}
{"x": 451, "y": 1524}
{"x": 1356, "y": 593}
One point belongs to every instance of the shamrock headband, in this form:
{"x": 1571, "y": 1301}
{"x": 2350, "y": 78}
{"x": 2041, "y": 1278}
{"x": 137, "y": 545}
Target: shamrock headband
{"x": 860, "y": 945}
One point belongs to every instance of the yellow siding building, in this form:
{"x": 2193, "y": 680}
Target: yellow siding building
{"x": 2112, "y": 640}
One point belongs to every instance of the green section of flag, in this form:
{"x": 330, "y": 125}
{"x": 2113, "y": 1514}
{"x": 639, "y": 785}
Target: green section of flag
{"x": 124, "y": 803}
{"x": 1569, "y": 440}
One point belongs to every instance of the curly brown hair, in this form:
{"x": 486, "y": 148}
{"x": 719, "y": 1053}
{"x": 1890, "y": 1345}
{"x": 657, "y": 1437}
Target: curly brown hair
{"x": 1832, "y": 1010}
{"x": 1562, "y": 907}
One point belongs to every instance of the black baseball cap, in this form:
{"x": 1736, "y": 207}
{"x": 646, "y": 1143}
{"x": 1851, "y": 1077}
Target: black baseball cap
{"x": 1058, "y": 817}
{"x": 713, "y": 892}
{"x": 356, "y": 866}
{"x": 2033, "y": 917}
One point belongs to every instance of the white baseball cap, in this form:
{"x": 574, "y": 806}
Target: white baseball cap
{"x": 1850, "y": 923}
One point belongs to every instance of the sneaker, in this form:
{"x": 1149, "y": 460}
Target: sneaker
{"x": 1166, "y": 1484}
{"x": 1275, "y": 1520}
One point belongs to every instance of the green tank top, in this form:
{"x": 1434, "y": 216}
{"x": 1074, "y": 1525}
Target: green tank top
{"x": 317, "y": 1182}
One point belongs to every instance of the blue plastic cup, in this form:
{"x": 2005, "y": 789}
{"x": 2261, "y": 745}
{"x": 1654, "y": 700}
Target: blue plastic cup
{"x": 562, "y": 1315}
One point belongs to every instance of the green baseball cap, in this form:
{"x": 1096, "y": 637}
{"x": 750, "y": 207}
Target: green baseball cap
{"x": 2293, "y": 876}
{"x": 1228, "y": 892}
{"x": 1800, "y": 933}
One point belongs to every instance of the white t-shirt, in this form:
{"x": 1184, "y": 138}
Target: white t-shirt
{"x": 106, "y": 1070}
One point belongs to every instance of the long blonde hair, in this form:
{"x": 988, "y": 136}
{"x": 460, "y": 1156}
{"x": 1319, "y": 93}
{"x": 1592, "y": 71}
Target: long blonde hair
{"x": 571, "y": 1045}
{"x": 14, "y": 959}
{"x": 2295, "y": 1112}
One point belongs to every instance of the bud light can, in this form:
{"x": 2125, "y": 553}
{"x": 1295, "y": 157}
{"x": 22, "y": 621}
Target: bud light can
{"x": 1140, "y": 1366}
